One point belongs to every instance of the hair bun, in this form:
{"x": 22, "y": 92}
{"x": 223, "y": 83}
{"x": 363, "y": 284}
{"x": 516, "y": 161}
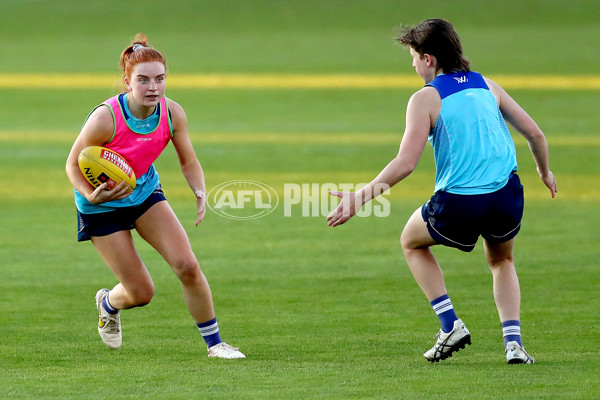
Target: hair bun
{"x": 141, "y": 39}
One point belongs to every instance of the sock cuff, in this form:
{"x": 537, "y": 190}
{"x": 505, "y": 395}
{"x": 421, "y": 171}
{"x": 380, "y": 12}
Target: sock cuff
{"x": 108, "y": 307}
{"x": 442, "y": 304}
{"x": 511, "y": 328}
{"x": 210, "y": 332}
{"x": 440, "y": 299}
{"x": 512, "y": 322}
{"x": 209, "y": 327}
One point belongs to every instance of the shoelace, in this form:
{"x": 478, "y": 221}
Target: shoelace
{"x": 525, "y": 354}
{"x": 224, "y": 347}
{"x": 111, "y": 323}
{"x": 228, "y": 347}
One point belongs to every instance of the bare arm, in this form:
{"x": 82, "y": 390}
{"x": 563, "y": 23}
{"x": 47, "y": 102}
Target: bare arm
{"x": 423, "y": 108}
{"x": 515, "y": 115}
{"x": 97, "y": 131}
{"x": 190, "y": 166}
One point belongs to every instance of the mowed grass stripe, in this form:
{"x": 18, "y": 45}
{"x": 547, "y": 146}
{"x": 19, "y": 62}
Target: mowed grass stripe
{"x": 304, "y": 138}
{"x": 418, "y": 186}
{"x": 289, "y": 81}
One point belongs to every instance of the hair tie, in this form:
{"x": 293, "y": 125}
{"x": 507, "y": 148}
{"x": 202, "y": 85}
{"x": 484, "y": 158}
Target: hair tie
{"x": 138, "y": 46}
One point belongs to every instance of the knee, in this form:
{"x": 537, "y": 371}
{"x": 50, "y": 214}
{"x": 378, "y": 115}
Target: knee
{"x": 499, "y": 255}
{"x": 407, "y": 242}
{"x": 504, "y": 261}
{"x": 187, "y": 269}
{"x": 142, "y": 295}
{"x": 415, "y": 235}
{"x": 404, "y": 240}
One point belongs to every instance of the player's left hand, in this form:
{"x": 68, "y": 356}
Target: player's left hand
{"x": 550, "y": 182}
{"x": 201, "y": 204}
{"x": 345, "y": 210}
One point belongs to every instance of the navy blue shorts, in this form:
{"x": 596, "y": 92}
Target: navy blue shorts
{"x": 123, "y": 219}
{"x": 456, "y": 220}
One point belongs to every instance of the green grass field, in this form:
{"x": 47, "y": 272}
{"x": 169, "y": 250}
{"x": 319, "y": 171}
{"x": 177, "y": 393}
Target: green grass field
{"x": 320, "y": 312}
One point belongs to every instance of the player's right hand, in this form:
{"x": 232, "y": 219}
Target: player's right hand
{"x": 103, "y": 195}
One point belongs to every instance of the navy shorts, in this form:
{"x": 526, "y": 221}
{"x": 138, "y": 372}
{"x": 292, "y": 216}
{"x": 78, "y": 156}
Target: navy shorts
{"x": 123, "y": 219}
{"x": 456, "y": 220}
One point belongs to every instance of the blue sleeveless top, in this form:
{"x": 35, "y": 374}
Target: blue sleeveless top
{"x": 473, "y": 149}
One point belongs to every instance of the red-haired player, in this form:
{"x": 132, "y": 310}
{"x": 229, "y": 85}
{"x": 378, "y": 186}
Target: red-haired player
{"x": 138, "y": 124}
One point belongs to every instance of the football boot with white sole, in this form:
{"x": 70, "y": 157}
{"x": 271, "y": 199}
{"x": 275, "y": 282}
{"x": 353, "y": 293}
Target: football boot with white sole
{"x": 223, "y": 350}
{"x": 516, "y": 354}
{"x": 448, "y": 343}
{"x": 109, "y": 325}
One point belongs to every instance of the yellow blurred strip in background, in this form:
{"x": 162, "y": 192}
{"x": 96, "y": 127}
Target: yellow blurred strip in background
{"x": 288, "y": 81}
{"x": 307, "y": 138}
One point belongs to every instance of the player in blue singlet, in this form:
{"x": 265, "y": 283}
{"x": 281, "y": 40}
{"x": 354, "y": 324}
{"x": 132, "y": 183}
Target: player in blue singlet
{"x": 477, "y": 191}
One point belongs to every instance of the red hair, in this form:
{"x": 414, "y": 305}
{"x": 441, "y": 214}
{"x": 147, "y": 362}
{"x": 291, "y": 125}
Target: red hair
{"x": 139, "y": 52}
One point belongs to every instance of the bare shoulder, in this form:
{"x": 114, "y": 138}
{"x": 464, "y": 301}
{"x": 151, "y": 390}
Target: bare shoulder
{"x": 177, "y": 111}
{"x": 102, "y": 115}
{"x": 100, "y": 125}
{"x": 426, "y": 95}
{"x": 425, "y": 103}
{"x": 178, "y": 119}
{"x": 495, "y": 88}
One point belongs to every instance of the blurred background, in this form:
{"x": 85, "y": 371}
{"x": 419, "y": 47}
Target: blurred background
{"x": 295, "y": 295}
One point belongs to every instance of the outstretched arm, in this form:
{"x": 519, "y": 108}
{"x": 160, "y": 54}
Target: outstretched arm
{"x": 515, "y": 115}
{"x": 421, "y": 108}
{"x": 190, "y": 166}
